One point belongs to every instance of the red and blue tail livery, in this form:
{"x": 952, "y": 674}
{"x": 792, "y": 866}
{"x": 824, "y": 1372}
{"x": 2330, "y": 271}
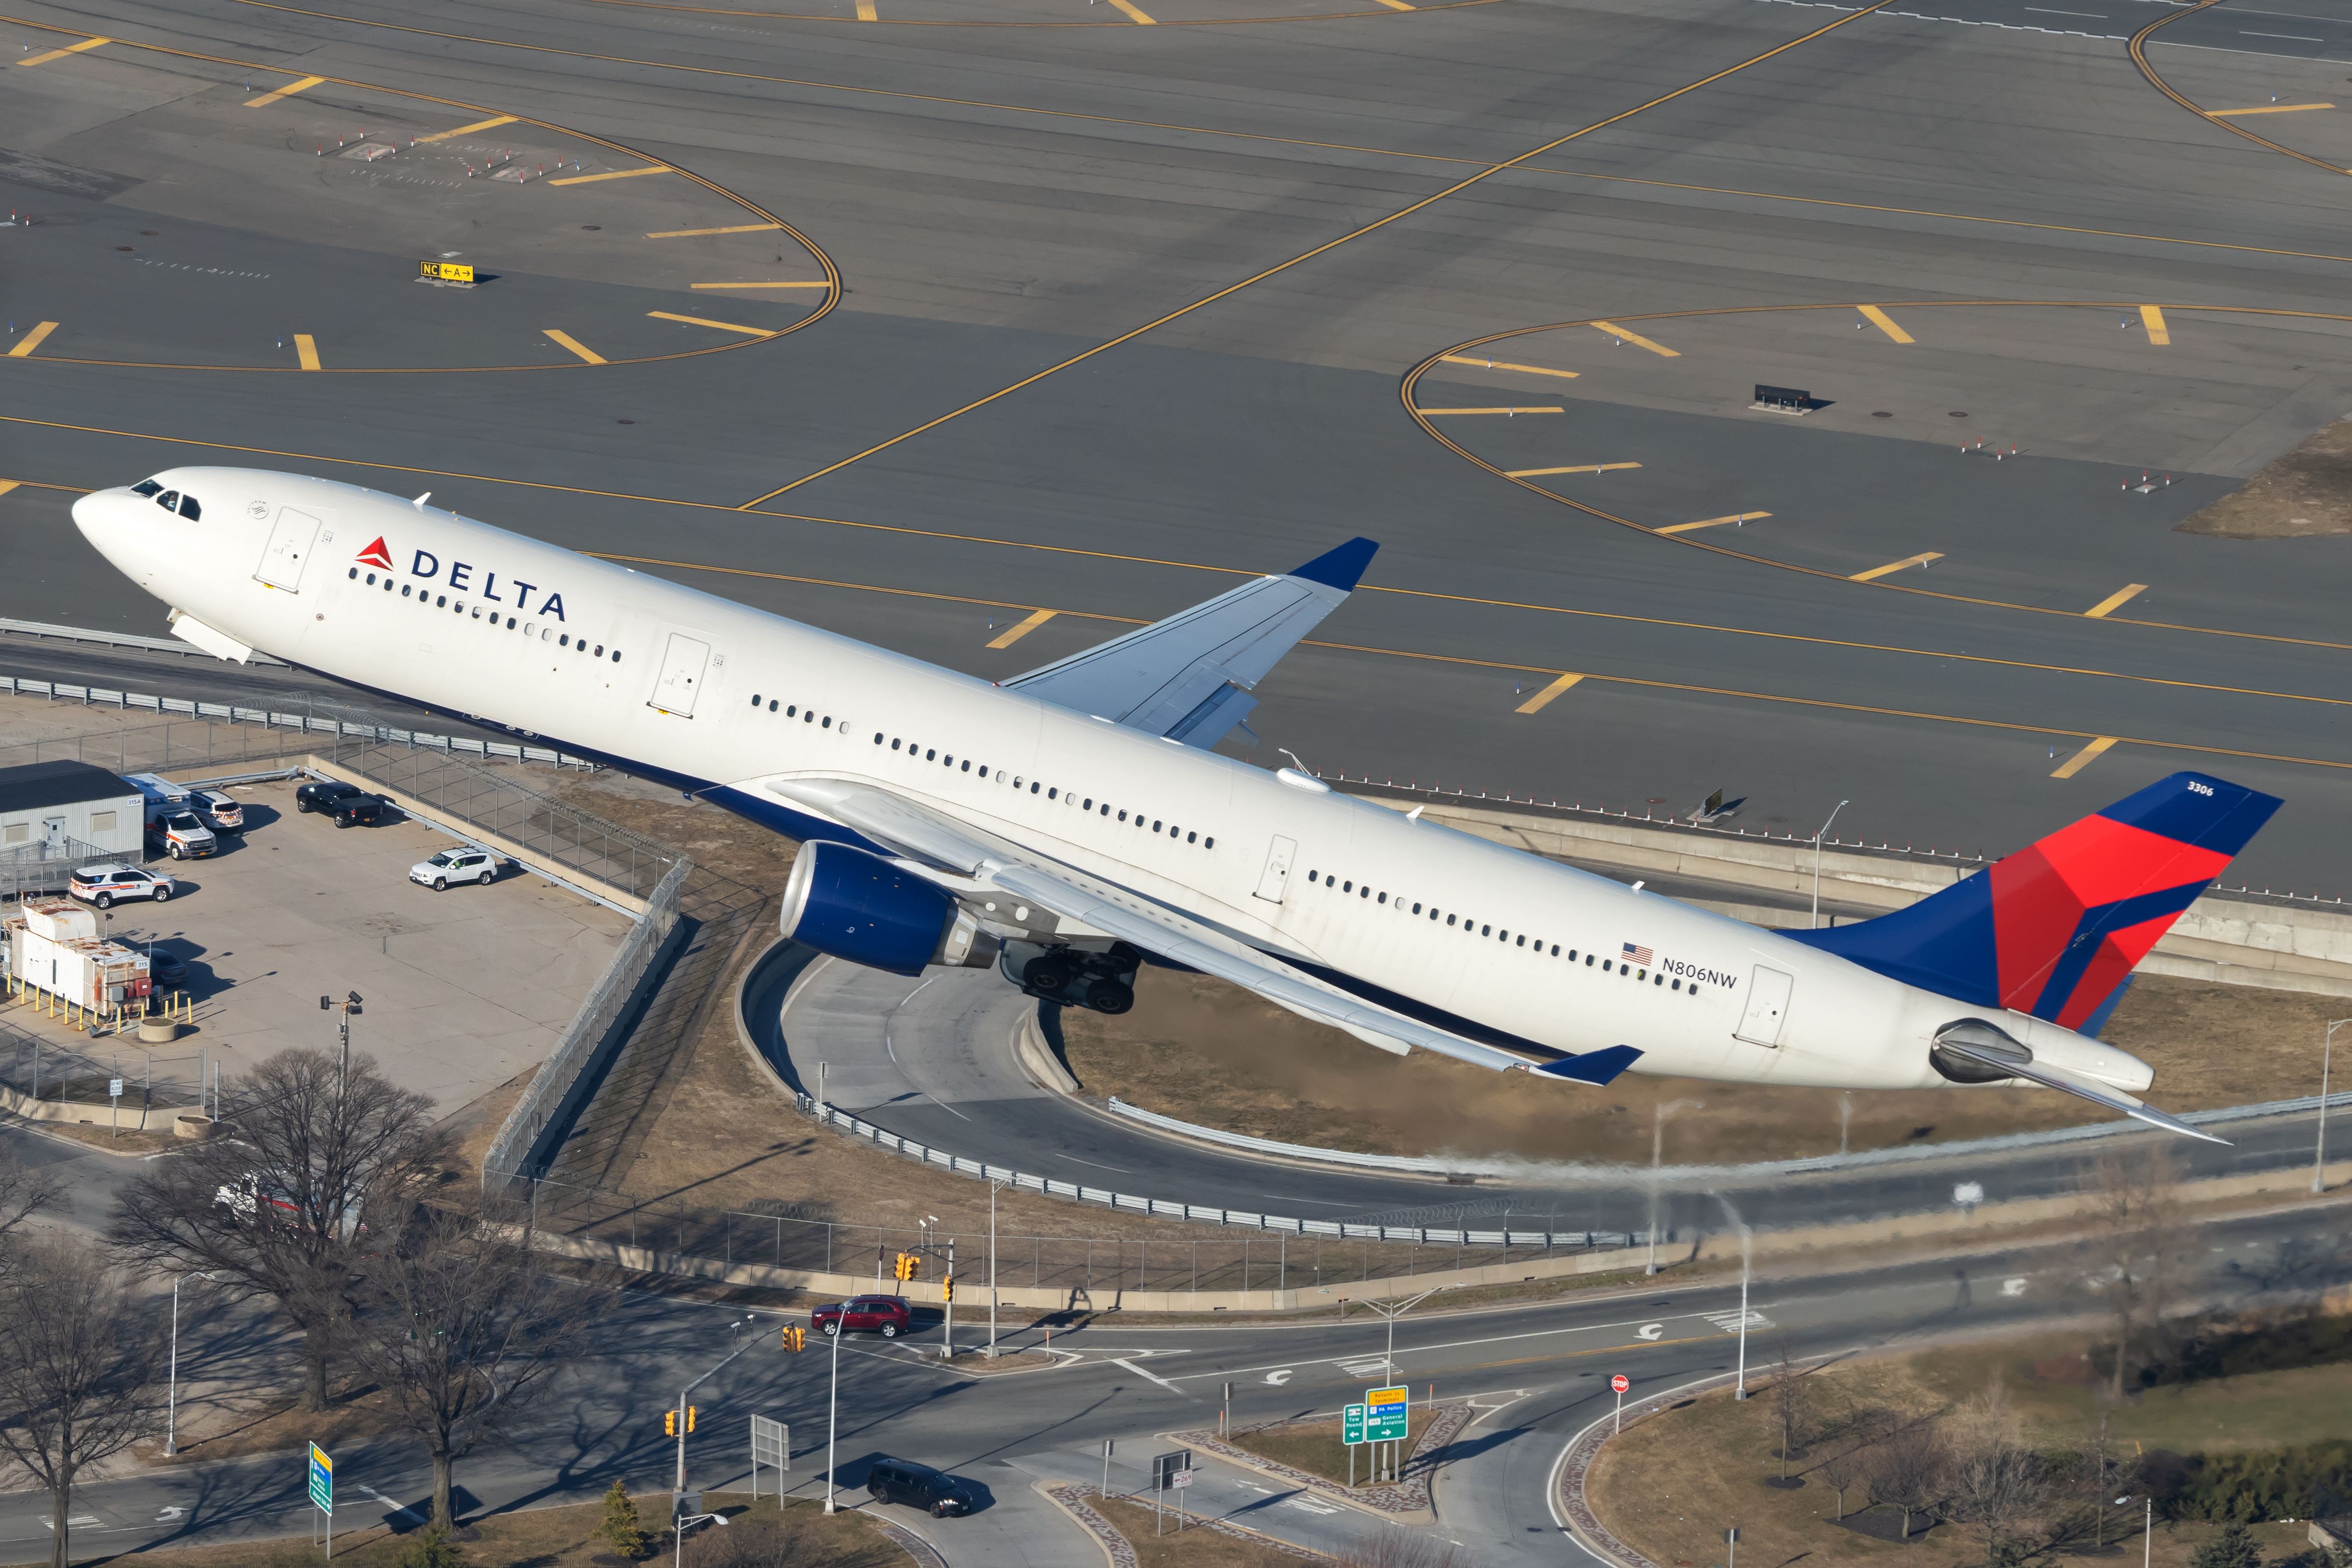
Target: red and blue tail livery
{"x": 2054, "y": 930}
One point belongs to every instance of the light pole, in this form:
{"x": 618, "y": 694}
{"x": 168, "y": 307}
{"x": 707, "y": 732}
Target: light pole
{"x": 833, "y": 1409}
{"x": 1746, "y": 1257}
{"x": 993, "y": 1188}
{"x": 1817, "y": 860}
{"x": 679, "y": 1527}
{"x": 2319, "y": 1154}
{"x": 347, "y": 1006}
{"x": 697, "y": 1382}
{"x": 172, "y": 1396}
{"x": 1392, "y": 1310}
{"x": 1657, "y": 1150}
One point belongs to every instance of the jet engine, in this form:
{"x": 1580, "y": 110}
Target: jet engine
{"x": 858, "y": 905}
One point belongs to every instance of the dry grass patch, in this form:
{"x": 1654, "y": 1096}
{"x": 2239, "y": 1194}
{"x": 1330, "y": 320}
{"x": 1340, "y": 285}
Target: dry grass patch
{"x": 2306, "y": 493}
{"x": 1195, "y": 1547}
{"x": 1315, "y": 1446}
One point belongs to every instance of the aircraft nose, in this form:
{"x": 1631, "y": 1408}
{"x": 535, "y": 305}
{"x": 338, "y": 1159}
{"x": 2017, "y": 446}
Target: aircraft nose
{"x": 111, "y": 520}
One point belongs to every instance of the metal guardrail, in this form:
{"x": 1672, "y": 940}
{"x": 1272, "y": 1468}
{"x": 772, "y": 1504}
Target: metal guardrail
{"x": 119, "y": 639}
{"x": 923, "y": 1153}
{"x": 575, "y": 1049}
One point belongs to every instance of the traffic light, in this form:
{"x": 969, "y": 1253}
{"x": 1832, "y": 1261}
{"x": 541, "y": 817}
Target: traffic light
{"x": 669, "y": 1421}
{"x": 947, "y": 1287}
{"x": 689, "y": 1417}
{"x": 796, "y": 1337}
{"x": 910, "y": 1266}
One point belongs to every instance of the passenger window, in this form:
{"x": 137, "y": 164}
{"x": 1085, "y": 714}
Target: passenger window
{"x": 967, "y": 764}
{"x": 1605, "y": 964}
{"x": 1089, "y": 806}
{"x": 1346, "y": 887}
{"x": 930, "y": 756}
{"x": 1189, "y": 838}
{"x": 1209, "y": 843}
{"x": 600, "y": 650}
{"x": 565, "y": 641}
{"x": 1122, "y": 817}
{"x": 1523, "y": 942}
{"x": 1485, "y": 931}
{"x": 1155, "y": 824}
{"x": 405, "y": 590}
{"x": 441, "y": 602}
{"x": 1416, "y": 909}
{"x": 1449, "y": 920}
{"x": 1051, "y": 794}
{"x": 772, "y": 702}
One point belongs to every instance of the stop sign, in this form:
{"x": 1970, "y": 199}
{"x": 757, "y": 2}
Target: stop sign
{"x": 1620, "y": 1382}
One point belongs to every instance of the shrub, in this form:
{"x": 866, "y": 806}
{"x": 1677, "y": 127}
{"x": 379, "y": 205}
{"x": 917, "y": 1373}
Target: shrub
{"x": 622, "y": 1527}
{"x": 2235, "y": 1548}
{"x": 434, "y": 1548}
{"x": 2252, "y": 1486}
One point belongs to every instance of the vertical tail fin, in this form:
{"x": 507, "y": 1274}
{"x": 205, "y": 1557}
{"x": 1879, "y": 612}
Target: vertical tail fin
{"x": 2056, "y": 928}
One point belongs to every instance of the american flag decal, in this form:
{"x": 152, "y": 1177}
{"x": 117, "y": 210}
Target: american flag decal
{"x": 1639, "y": 955}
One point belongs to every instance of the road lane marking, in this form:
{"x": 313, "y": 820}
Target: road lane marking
{"x": 1279, "y": 1376}
{"x": 1884, "y": 322}
{"x": 31, "y": 341}
{"x": 1396, "y": 5}
{"x": 819, "y": 283}
{"x": 1579, "y": 468}
{"x": 43, "y": 60}
{"x": 2115, "y": 601}
{"x": 1732, "y": 1322}
{"x": 1037, "y": 619}
{"x": 1122, "y": 1361}
{"x": 614, "y": 174}
{"x": 705, "y": 322}
{"x": 731, "y": 228}
{"x": 1500, "y": 365}
{"x": 866, "y": 12}
{"x": 1535, "y": 704}
{"x": 7, "y": 485}
{"x": 569, "y": 342}
{"x": 305, "y": 350}
{"x": 289, "y": 90}
{"x": 1506, "y": 412}
{"x": 490, "y": 124}
{"x": 1649, "y": 1331}
{"x": 2153, "y": 320}
{"x": 1636, "y": 339}
{"x": 2272, "y": 108}
{"x": 1736, "y": 519}
{"x": 1133, "y": 14}
{"x": 2084, "y": 758}
{"x": 1875, "y": 573}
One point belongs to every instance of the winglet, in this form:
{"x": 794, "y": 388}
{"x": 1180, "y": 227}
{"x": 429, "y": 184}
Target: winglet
{"x": 1593, "y": 1067}
{"x": 1342, "y": 568}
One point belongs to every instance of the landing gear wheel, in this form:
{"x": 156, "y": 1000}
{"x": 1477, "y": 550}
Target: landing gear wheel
{"x": 1048, "y": 976}
{"x": 1110, "y": 996}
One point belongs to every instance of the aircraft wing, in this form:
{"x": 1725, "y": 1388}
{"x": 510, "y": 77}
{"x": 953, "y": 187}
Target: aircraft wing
{"x": 1188, "y": 678}
{"x": 1988, "y": 1046}
{"x": 922, "y": 835}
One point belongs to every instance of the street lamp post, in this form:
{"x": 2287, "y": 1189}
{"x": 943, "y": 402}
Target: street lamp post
{"x": 832, "y": 1410}
{"x": 1746, "y": 1257}
{"x": 697, "y": 1382}
{"x": 993, "y": 1188}
{"x": 171, "y": 1395}
{"x": 2319, "y": 1153}
{"x": 679, "y": 1527}
{"x": 1657, "y": 1151}
{"x": 1817, "y": 860}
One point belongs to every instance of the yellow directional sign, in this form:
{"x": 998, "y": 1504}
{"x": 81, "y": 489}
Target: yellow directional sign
{"x": 446, "y": 271}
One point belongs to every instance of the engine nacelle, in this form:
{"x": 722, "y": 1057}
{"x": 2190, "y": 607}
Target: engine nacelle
{"x": 845, "y": 902}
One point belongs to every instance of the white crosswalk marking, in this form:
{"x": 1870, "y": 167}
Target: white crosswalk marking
{"x": 1363, "y": 1368}
{"x": 1729, "y": 1321}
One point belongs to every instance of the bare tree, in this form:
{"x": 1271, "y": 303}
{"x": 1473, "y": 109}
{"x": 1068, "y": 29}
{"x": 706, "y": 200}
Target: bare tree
{"x": 1788, "y": 1403}
{"x": 1994, "y": 1484}
{"x": 2138, "y": 1246}
{"x": 282, "y": 1207}
{"x": 1845, "y": 1469}
{"x": 462, "y": 1327}
{"x": 78, "y": 1359}
{"x": 1909, "y": 1468}
{"x": 2098, "y": 1471}
{"x": 25, "y": 1191}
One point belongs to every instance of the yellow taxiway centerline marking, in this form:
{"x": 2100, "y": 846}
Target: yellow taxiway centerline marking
{"x": 866, "y": 12}
{"x": 732, "y": 228}
{"x": 467, "y": 129}
{"x": 2115, "y": 601}
{"x": 1579, "y": 468}
{"x": 1506, "y": 412}
{"x": 1499, "y": 364}
{"x": 819, "y": 283}
{"x": 2084, "y": 758}
{"x": 2153, "y": 320}
{"x": 305, "y": 350}
{"x": 1636, "y": 339}
{"x": 7, "y": 485}
{"x": 1132, "y": 14}
{"x": 706, "y": 322}
{"x": 2272, "y": 108}
{"x": 1396, "y": 5}
{"x": 1884, "y": 322}
{"x": 1535, "y": 704}
{"x": 1036, "y": 618}
{"x": 614, "y": 175}
{"x": 1736, "y": 519}
{"x": 569, "y": 342}
{"x": 1875, "y": 573}
{"x": 289, "y": 90}
{"x": 31, "y": 341}
{"x": 42, "y": 59}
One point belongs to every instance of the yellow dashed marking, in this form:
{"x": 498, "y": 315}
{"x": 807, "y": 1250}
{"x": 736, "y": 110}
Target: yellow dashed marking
{"x": 2084, "y": 758}
{"x": 7, "y": 485}
{"x": 289, "y": 90}
{"x": 2153, "y": 320}
{"x": 1884, "y": 322}
{"x": 43, "y": 60}
{"x": 819, "y": 283}
{"x": 735, "y": 228}
{"x": 569, "y": 342}
{"x": 866, "y": 12}
{"x": 614, "y": 175}
{"x": 1128, "y": 9}
{"x": 1036, "y": 618}
{"x": 1535, "y": 704}
{"x": 305, "y": 350}
{"x": 31, "y": 341}
{"x": 1506, "y": 412}
{"x": 705, "y": 322}
{"x": 1875, "y": 573}
{"x": 1636, "y": 339}
{"x": 1735, "y": 519}
{"x": 2115, "y": 601}
{"x": 1579, "y": 468}
{"x": 467, "y": 129}
{"x": 1499, "y": 364}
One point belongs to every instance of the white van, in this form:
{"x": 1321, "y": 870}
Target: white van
{"x": 174, "y": 820}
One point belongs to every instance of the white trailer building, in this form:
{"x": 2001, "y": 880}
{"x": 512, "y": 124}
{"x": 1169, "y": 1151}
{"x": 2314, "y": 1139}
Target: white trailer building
{"x": 69, "y": 809}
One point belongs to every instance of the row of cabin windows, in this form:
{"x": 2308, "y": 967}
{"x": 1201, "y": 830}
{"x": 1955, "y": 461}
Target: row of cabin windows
{"x": 917, "y": 751}
{"x": 795, "y": 711}
{"x": 1471, "y": 927}
{"x": 441, "y": 602}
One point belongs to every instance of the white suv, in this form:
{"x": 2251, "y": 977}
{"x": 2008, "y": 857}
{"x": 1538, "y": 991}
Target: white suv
{"x": 455, "y": 865}
{"x": 101, "y": 885}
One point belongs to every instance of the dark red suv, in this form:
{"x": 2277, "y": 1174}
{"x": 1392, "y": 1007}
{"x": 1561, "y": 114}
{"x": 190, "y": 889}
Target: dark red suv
{"x": 884, "y": 1315}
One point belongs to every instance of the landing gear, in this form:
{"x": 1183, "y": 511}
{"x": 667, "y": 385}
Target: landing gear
{"x": 1101, "y": 981}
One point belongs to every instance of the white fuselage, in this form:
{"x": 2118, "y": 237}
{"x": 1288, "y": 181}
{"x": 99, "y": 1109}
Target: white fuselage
{"x": 474, "y": 620}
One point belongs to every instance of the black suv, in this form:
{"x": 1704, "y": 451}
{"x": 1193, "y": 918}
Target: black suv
{"x": 346, "y": 810}
{"x": 917, "y": 1486}
{"x": 322, "y": 793}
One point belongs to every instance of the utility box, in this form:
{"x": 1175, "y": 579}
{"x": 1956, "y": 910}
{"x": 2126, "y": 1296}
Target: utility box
{"x": 60, "y": 919}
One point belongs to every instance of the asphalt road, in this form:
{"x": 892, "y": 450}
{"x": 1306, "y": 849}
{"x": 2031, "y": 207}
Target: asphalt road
{"x": 1538, "y": 1373}
{"x": 999, "y": 199}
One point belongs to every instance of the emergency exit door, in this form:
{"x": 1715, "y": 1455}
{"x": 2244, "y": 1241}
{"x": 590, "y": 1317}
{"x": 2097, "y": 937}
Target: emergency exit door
{"x": 1768, "y": 1006}
{"x": 1275, "y": 877}
{"x": 682, "y": 663}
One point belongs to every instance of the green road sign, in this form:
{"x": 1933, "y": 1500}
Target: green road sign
{"x": 1384, "y": 1414}
{"x": 322, "y": 1481}
{"x": 1352, "y": 1424}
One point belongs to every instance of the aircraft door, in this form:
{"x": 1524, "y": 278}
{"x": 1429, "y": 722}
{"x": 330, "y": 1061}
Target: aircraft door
{"x": 1272, "y": 880}
{"x": 1768, "y": 1006}
{"x": 289, "y": 548}
{"x": 681, "y": 676}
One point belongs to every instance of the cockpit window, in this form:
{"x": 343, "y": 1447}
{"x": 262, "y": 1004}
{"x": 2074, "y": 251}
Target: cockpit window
{"x": 189, "y": 508}
{"x": 145, "y": 488}
{"x": 168, "y": 499}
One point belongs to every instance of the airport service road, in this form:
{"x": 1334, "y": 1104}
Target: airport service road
{"x": 934, "y": 1060}
{"x": 1540, "y": 1373}
{"x": 1000, "y": 199}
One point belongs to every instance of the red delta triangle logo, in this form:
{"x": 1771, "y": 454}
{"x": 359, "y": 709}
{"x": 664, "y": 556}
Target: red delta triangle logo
{"x": 376, "y": 555}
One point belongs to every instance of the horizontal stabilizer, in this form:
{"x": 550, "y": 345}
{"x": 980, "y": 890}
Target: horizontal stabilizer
{"x": 1188, "y": 678}
{"x": 2007, "y": 1058}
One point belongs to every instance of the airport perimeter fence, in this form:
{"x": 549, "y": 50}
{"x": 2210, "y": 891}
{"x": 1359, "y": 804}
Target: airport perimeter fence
{"x": 564, "y": 1076}
{"x": 1290, "y": 1255}
{"x": 44, "y": 1071}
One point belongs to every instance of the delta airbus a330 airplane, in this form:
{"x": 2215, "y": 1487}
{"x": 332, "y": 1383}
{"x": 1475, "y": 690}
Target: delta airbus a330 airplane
{"x": 1069, "y": 825}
